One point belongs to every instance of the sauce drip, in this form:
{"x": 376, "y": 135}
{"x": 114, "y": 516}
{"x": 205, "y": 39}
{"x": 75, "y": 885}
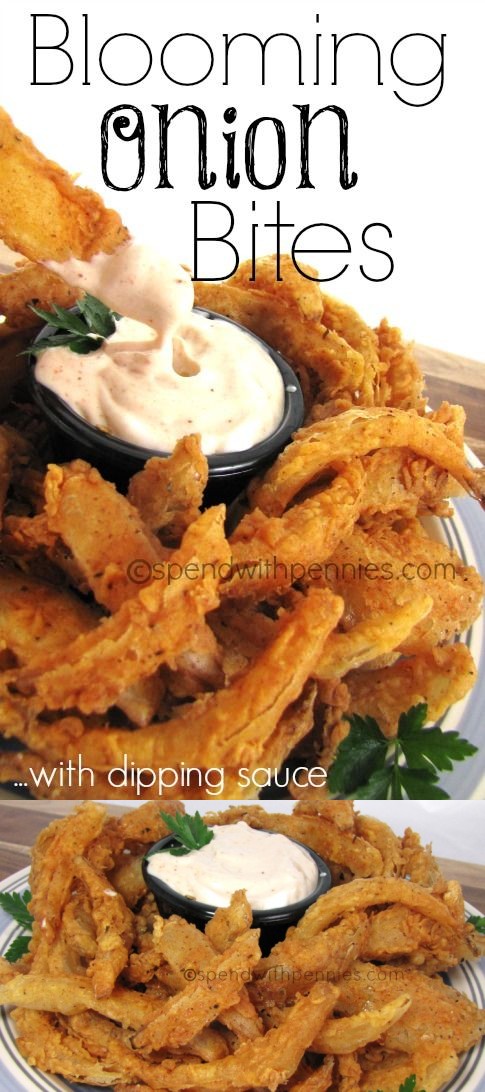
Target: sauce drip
{"x": 167, "y": 371}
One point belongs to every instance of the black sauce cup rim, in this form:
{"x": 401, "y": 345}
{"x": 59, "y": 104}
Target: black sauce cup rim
{"x": 276, "y": 915}
{"x": 62, "y": 416}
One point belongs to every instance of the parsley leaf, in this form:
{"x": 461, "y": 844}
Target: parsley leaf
{"x": 83, "y": 333}
{"x": 190, "y": 831}
{"x": 369, "y": 766}
{"x": 61, "y": 319}
{"x": 18, "y": 948}
{"x": 99, "y": 318}
{"x": 16, "y": 905}
{"x": 90, "y": 344}
{"x": 421, "y": 785}
{"x": 431, "y": 747}
{"x": 478, "y": 921}
{"x": 360, "y": 753}
{"x": 377, "y": 787}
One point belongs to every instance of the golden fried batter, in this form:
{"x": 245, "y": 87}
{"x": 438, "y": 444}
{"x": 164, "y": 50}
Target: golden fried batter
{"x": 64, "y": 220}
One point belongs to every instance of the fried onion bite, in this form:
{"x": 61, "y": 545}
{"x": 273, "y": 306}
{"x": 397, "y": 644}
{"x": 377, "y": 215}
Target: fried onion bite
{"x": 64, "y": 221}
{"x": 346, "y": 999}
{"x": 186, "y": 680}
{"x": 118, "y": 663}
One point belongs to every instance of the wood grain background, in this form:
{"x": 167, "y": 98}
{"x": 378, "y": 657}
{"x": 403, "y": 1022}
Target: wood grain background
{"x": 455, "y": 379}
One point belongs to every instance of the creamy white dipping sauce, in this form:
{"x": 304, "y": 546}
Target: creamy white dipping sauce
{"x": 272, "y": 869}
{"x": 166, "y": 372}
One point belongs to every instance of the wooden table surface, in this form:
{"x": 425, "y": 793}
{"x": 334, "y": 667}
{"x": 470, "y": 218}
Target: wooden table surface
{"x": 20, "y": 824}
{"x": 453, "y": 378}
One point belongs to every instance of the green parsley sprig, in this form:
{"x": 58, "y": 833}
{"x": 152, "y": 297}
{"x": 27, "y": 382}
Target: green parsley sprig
{"x": 478, "y": 921}
{"x": 190, "y": 832}
{"x": 15, "y": 904}
{"x": 369, "y": 766}
{"x": 409, "y": 1085}
{"x": 83, "y": 333}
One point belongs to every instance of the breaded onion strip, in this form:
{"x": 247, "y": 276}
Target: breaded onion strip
{"x": 315, "y": 1080}
{"x": 63, "y": 220}
{"x": 401, "y": 379}
{"x": 347, "y": 323}
{"x": 178, "y": 937}
{"x": 302, "y": 292}
{"x": 103, "y": 531}
{"x": 296, "y": 722}
{"x": 168, "y": 493}
{"x": 360, "y": 894}
{"x": 433, "y": 1065}
{"x": 229, "y": 922}
{"x": 350, "y": 1033}
{"x": 269, "y": 553}
{"x": 35, "y": 616}
{"x": 400, "y": 560}
{"x": 294, "y": 964}
{"x": 70, "y": 994}
{"x": 198, "y": 1003}
{"x": 52, "y": 875}
{"x": 356, "y": 432}
{"x": 265, "y": 1062}
{"x": 53, "y": 1047}
{"x": 31, "y": 283}
{"x": 379, "y": 835}
{"x": 401, "y": 483}
{"x": 372, "y": 637}
{"x": 438, "y": 678}
{"x": 151, "y": 628}
{"x": 229, "y": 727}
{"x": 114, "y": 928}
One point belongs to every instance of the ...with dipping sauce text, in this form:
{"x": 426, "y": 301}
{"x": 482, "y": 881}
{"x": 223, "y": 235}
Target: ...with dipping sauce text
{"x": 273, "y": 870}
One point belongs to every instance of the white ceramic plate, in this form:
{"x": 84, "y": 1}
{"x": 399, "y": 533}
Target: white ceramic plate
{"x": 17, "y": 1076}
